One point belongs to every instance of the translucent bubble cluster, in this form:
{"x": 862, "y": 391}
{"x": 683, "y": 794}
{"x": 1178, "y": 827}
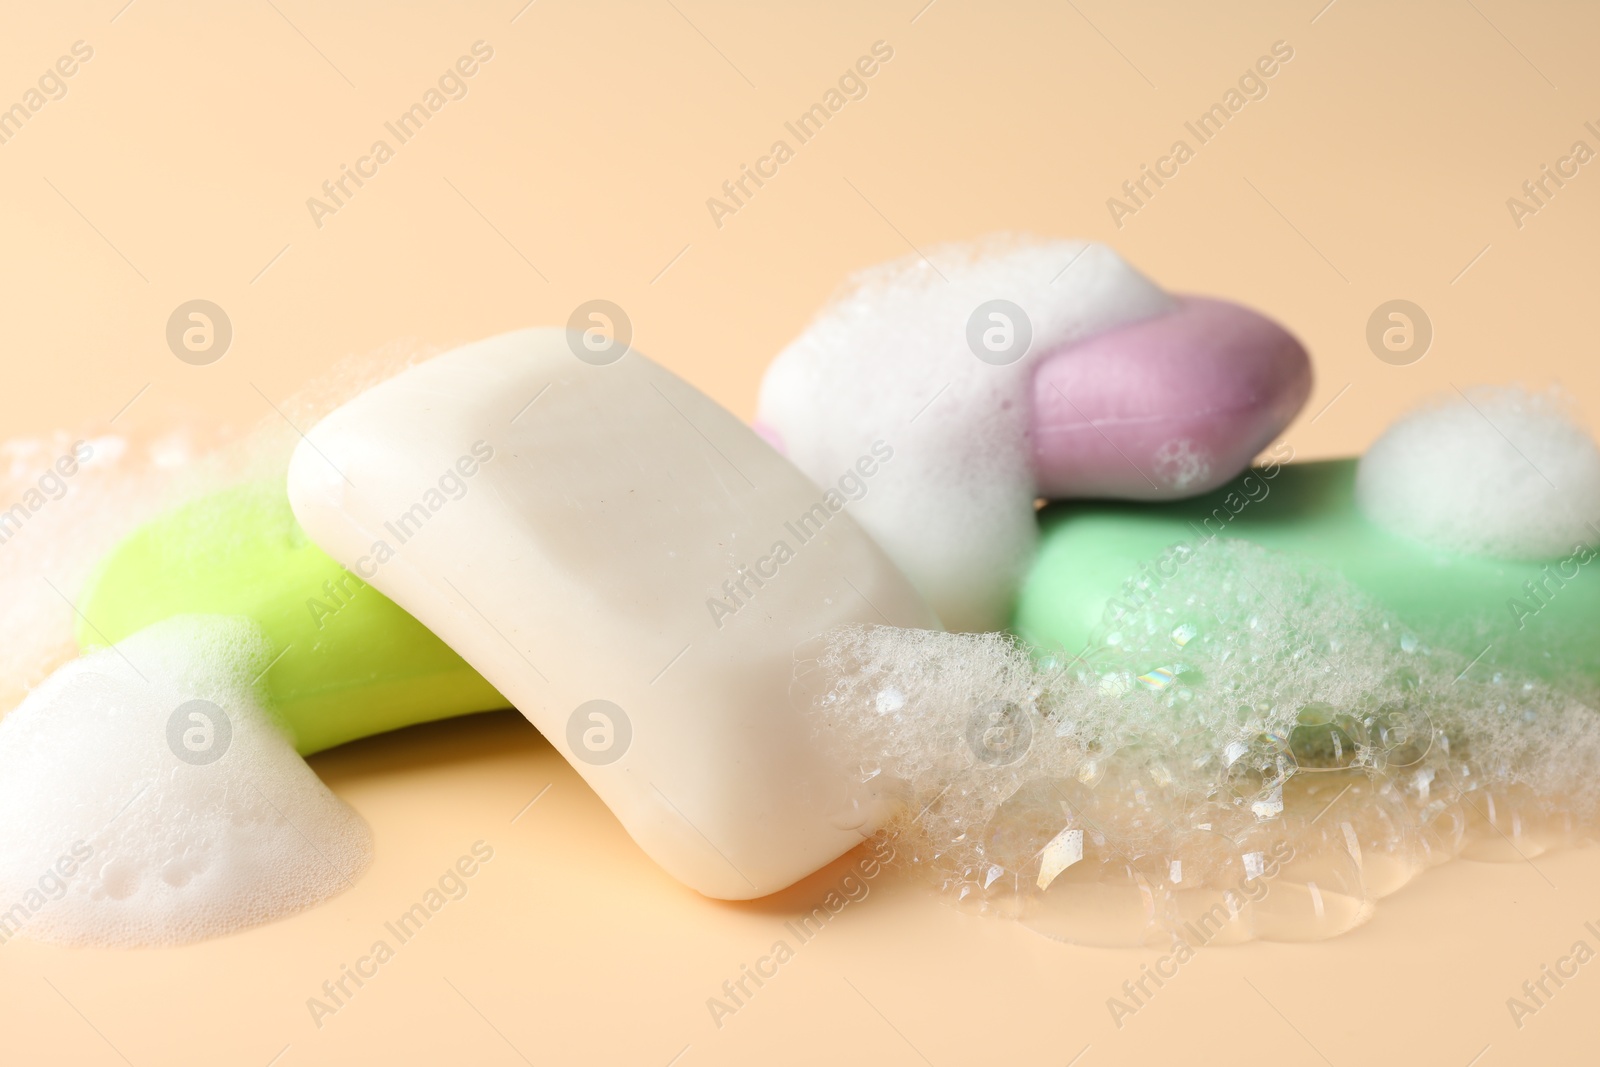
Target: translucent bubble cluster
{"x": 1247, "y": 749}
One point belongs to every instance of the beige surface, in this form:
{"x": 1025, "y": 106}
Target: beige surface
{"x": 178, "y": 165}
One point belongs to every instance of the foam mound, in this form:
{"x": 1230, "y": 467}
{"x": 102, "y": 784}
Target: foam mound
{"x": 1498, "y": 472}
{"x": 958, "y": 513}
{"x": 146, "y": 798}
{"x": 1248, "y": 749}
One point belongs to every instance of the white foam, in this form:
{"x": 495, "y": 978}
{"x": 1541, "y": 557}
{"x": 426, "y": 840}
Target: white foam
{"x": 890, "y": 360}
{"x": 1498, "y": 472}
{"x": 55, "y": 527}
{"x": 1248, "y": 708}
{"x": 130, "y": 816}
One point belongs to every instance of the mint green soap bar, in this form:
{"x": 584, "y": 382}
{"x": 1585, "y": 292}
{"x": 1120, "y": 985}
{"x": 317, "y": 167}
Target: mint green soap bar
{"x": 351, "y": 662}
{"x": 1536, "y": 618}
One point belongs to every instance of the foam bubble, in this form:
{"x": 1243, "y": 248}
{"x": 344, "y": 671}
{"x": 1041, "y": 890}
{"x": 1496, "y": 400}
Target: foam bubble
{"x": 146, "y": 798}
{"x": 1499, "y": 472}
{"x": 955, "y": 507}
{"x": 1250, "y": 744}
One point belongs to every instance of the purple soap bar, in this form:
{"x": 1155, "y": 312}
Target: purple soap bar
{"x": 1165, "y": 407}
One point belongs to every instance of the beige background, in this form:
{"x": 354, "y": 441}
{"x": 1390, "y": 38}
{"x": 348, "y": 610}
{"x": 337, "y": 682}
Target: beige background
{"x": 178, "y": 165}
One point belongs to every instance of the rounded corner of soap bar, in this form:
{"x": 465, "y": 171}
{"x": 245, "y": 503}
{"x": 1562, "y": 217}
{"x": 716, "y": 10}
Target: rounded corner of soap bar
{"x": 314, "y": 483}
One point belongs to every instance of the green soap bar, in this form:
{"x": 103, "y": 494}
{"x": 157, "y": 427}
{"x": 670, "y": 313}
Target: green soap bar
{"x": 352, "y": 662}
{"x": 1470, "y": 604}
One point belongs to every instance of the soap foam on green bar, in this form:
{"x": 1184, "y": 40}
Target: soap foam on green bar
{"x": 1538, "y": 618}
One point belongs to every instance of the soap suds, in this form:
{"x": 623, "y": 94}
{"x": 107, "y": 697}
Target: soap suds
{"x": 1497, "y": 472}
{"x": 146, "y": 798}
{"x": 207, "y": 848}
{"x": 1251, "y": 740}
{"x": 1181, "y": 464}
{"x": 891, "y": 360}
{"x": 55, "y": 527}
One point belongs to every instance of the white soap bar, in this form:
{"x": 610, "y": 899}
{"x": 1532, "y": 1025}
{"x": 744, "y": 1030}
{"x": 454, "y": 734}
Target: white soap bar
{"x": 633, "y": 567}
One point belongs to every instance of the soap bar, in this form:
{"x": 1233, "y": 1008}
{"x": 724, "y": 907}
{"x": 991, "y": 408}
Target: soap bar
{"x": 633, "y": 568}
{"x": 1015, "y": 370}
{"x": 345, "y": 661}
{"x": 939, "y": 364}
{"x": 1523, "y": 617}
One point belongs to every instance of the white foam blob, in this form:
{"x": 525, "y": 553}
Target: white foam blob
{"x": 890, "y": 361}
{"x": 146, "y": 798}
{"x": 1249, "y": 748}
{"x": 1498, "y": 472}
